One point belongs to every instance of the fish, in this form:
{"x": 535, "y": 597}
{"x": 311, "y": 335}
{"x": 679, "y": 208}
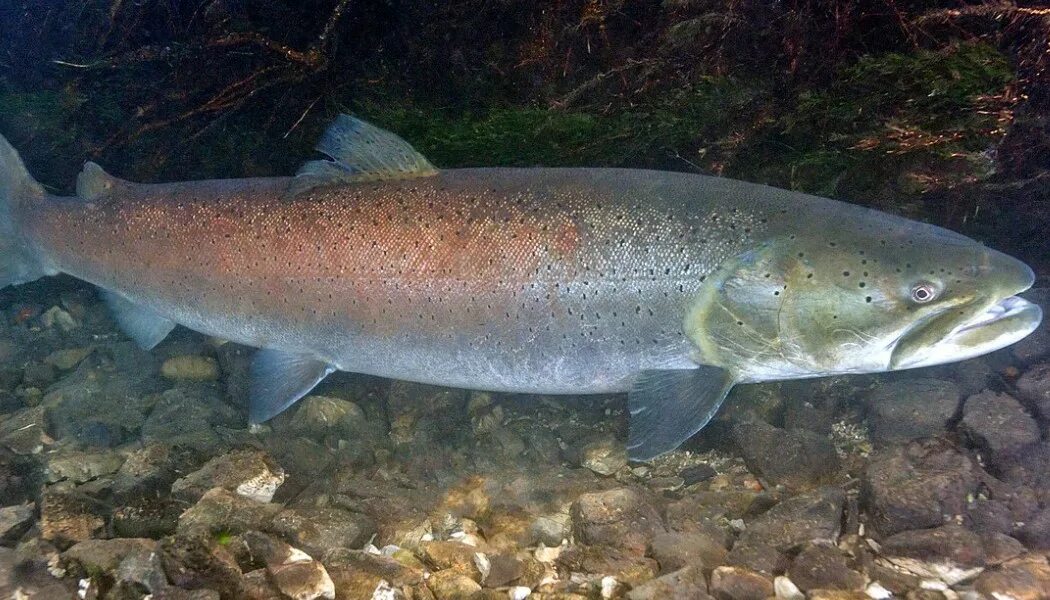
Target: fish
{"x": 671, "y": 287}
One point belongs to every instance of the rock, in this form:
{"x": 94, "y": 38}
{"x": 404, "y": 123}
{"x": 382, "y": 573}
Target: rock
{"x": 605, "y": 456}
{"x": 999, "y": 548}
{"x": 452, "y": 585}
{"x": 38, "y": 375}
{"x": 14, "y": 522}
{"x": 357, "y": 574}
{"x": 92, "y": 557}
{"x": 757, "y": 556}
{"x": 903, "y": 410}
{"x": 193, "y": 561}
{"x": 922, "y": 484}
{"x": 149, "y": 518}
{"x": 839, "y": 595}
{"x": 625, "y": 567}
{"x": 1034, "y": 388}
{"x": 551, "y": 529}
{"x": 739, "y": 583}
{"x": 1026, "y": 578}
{"x": 1029, "y": 468}
{"x": 949, "y": 553}
{"x": 292, "y": 571}
{"x": 141, "y": 572}
{"x": 80, "y": 467}
{"x": 191, "y": 368}
{"x": 67, "y": 517}
{"x": 785, "y": 589}
{"x": 320, "y": 415}
{"x": 56, "y": 317}
{"x": 249, "y": 473}
{"x": 796, "y": 458}
{"x": 998, "y": 425}
{"x": 222, "y": 511}
{"x": 67, "y": 359}
{"x": 181, "y": 418}
{"x": 621, "y": 518}
{"x": 452, "y": 555}
{"x": 25, "y": 431}
{"x": 697, "y": 473}
{"x": 317, "y": 530}
{"x": 822, "y": 566}
{"x": 149, "y": 471}
{"x": 257, "y": 586}
{"x": 677, "y": 549}
{"x": 814, "y": 516}
{"x": 684, "y": 584}
{"x": 502, "y": 570}
{"x": 1035, "y": 533}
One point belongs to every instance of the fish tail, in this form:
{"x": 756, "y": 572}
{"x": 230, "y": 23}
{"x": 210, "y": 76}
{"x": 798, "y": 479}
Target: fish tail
{"x": 18, "y": 262}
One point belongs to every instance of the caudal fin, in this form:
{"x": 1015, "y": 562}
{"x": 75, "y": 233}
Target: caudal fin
{"x": 17, "y": 187}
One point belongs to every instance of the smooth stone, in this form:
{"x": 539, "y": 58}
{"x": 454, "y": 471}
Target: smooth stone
{"x": 949, "y": 553}
{"x": 249, "y": 473}
{"x": 190, "y": 368}
{"x": 451, "y": 584}
{"x": 103, "y": 556}
{"x": 317, "y": 530}
{"x": 999, "y": 425}
{"x": 809, "y": 517}
{"x": 222, "y": 511}
{"x": 621, "y": 517}
{"x": 903, "y": 410}
{"x": 1026, "y": 578}
{"x": 739, "y": 583}
{"x": 920, "y": 484}
{"x": 684, "y": 584}
{"x": 14, "y": 522}
{"x": 795, "y": 458}
{"x": 822, "y": 566}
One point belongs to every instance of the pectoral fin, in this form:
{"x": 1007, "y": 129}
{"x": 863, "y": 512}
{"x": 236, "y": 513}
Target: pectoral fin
{"x": 668, "y": 407}
{"x": 144, "y": 326}
{"x": 279, "y": 379}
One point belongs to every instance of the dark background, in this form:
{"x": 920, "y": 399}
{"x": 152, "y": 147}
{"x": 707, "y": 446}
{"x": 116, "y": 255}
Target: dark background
{"x": 936, "y": 110}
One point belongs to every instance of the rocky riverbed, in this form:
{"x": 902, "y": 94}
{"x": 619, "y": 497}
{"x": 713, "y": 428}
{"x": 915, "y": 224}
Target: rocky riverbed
{"x": 126, "y": 474}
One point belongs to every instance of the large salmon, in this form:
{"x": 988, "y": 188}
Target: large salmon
{"x": 671, "y": 286}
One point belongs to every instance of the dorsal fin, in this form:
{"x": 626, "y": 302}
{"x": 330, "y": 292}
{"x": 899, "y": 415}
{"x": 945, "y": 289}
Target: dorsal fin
{"x": 93, "y": 182}
{"x": 360, "y": 152}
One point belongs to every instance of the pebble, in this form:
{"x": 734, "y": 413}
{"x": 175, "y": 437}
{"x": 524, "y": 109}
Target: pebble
{"x": 220, "y": 510}
{"x": 785, "y": 589}
{"x": 190, "y": 367}
{"x": 604, "y": 457}
{"x": 921, "y": 484}
{"x": 675, "y": 550}
{"x": 317, "y": 530}
{"x": 796, "y": 458}
{"x": 67, "y": 517}
{"x": 451, "y": 584}
{"x": 684, "y": 584}
{"x": 91, "y": 557}
{"x": 814, "y": 516}
{"x": 320, "y": 415}
{"x": 249, "y": 473}
{"x": 999, "y": 425}
{"x": 621, "y": 518}
{"x": 295, "y": 573}
{"x": 823, "y": 566}
{"x": 55, "y": 316}
{"x": 80, "y": 467}
{"x": 1034, "y": 388}
{"x": 68, "y": 358}
{"x": 903, "y": 410}
{"x": 1026, "y": 578}
{"x": 14, "y": 521}
{"x": 739, "y": 583}
{"x": 359, "y": 574}
{"x": 949, "y": 553}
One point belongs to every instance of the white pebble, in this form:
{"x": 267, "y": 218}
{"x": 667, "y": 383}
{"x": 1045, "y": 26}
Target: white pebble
{"x": 519, "y": 592}
{"x": 877, "y": 592}
{"x": 785, "y": 589}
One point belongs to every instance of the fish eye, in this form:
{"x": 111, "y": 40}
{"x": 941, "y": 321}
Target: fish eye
{"x": 923, "y": 292}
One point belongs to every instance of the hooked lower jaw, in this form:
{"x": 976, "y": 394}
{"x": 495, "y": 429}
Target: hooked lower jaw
{"x": 1004, "y": 323}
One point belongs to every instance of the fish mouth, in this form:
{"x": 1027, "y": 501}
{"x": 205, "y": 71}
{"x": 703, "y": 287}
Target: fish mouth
{"x": 997, "y": 326}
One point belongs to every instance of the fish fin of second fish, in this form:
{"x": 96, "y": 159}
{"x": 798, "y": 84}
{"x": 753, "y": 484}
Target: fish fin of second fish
{"x": 359, "y": 152}
{"x": 668, "y": 406}
{"x": 279, "y": 380}
{"x": 144, "y": 326}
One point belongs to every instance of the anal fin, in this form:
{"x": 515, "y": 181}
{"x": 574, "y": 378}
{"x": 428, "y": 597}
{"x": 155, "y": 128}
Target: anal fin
{"x": 144, "y": 326}
{"x": 279, "y": 380}
{"x": 668, "y": 406}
